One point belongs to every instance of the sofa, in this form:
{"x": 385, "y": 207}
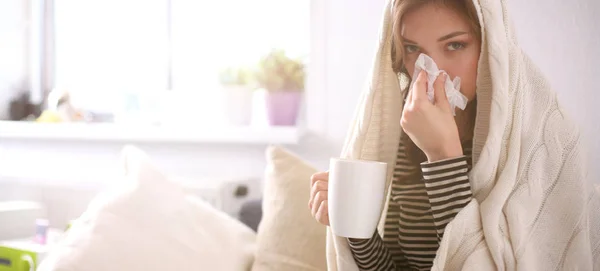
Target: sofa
{"x": 149, "y": 223}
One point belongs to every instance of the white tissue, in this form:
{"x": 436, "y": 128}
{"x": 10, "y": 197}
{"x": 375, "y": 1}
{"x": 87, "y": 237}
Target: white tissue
{"x": 452, "y": 87}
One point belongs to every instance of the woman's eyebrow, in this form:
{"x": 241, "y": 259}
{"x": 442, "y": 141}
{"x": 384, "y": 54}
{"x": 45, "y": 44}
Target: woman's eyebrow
{"x": 405, "y": 40}
{"x": 452, "y": 35}
{"x": 443, "y": 38}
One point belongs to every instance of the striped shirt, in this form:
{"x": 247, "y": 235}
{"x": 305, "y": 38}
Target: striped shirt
{"x": 422, "y": 202}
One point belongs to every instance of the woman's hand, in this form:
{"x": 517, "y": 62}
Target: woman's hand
{"x": 318, "y": 197}
{"x": 431, "y": 126}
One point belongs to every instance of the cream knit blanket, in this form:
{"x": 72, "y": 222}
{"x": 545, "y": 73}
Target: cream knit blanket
{"x": 533, "y": 206}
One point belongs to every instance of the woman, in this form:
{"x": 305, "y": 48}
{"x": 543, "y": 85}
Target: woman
{"x": 526, "y": 203}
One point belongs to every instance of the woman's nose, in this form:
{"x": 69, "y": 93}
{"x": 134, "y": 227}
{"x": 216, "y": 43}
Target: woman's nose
{"x": 439, "y": 61}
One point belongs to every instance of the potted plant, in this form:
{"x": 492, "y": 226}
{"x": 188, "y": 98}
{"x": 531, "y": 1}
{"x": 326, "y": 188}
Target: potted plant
{"x": 283, "y": 80}
{"x": 237, "y": 93}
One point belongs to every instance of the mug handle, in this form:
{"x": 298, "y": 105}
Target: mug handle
{"x": 27, "y": 258}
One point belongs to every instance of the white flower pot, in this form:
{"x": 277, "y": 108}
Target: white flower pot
{"x": 238, "y": 104}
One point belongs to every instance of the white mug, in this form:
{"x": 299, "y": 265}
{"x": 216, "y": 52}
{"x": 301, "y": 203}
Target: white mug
{"x": 356, "y": 194}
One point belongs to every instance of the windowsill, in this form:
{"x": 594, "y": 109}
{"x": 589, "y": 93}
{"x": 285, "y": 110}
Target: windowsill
{"x": 107, "y": 132}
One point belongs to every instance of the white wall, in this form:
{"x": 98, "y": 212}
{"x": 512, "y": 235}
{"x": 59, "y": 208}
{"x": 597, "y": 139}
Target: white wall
{"x": 563, "y": 38}
{"x": 87, "y": 163}
{"x": 352, "y": 38}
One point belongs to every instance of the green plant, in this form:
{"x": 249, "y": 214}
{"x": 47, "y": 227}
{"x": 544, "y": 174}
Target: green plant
{"x": 278, "y": 72}
{"x": 235, "y": 76}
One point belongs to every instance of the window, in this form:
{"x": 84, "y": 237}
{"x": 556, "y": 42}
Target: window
{"x": 164, "y": 56}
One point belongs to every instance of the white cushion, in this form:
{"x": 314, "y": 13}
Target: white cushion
{"x": 148, "y": 223}
{"x": 289, "y": 238}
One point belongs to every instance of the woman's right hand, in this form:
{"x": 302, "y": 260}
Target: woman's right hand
{"x": 318, "y": 197}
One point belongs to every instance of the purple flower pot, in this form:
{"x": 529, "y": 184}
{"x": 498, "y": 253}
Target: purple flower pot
{"x": 282, "y": 107}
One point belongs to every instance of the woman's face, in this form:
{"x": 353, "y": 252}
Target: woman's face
{"x": 445, "y": 36}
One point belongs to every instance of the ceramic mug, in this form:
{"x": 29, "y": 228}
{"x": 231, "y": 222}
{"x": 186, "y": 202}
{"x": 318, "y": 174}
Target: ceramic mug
{"x": 356, "y": 195}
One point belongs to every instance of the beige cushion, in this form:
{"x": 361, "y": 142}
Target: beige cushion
{"x": 148, "y": 223}
{"x": 288, "y": 237}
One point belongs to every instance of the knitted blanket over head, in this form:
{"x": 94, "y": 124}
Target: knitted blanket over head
{"x": 534, "y": 207}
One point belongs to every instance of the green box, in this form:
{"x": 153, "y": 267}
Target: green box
{"x": 20, "y": 255}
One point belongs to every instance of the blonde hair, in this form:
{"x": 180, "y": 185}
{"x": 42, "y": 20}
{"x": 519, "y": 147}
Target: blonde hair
{"x": 464, "y": 8}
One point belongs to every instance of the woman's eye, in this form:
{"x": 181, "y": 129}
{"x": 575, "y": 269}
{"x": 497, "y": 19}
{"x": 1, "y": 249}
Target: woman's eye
{"x": 453, "y": 46}
{"x": 409, "y": 49}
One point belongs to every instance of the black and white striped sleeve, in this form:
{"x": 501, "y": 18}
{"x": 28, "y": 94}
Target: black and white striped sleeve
{"x": 447, "y": 185}
{"x": 371, "y": 254}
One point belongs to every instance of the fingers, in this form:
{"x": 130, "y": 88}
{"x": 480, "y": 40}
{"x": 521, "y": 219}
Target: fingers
{"x": 320, "y": 176}
{"x": 440, "y": 97}
{"x": 419, "y": 91}
{"x": 318, "y": 198}
{"x": 414, "y": 102}
{"x": 314, "y": 189}
{"x": 322, "y": 214}
{"x": 317, "y": 201}
{"x": 317, "y": 177}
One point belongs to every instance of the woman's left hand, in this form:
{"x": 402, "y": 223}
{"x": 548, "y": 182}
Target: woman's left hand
{"x": 431, "y": 126}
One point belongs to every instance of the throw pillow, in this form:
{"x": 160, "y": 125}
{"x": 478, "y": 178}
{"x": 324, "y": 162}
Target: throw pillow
{"x": 148, "y": 223}
{"x": 288, "y": 237}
